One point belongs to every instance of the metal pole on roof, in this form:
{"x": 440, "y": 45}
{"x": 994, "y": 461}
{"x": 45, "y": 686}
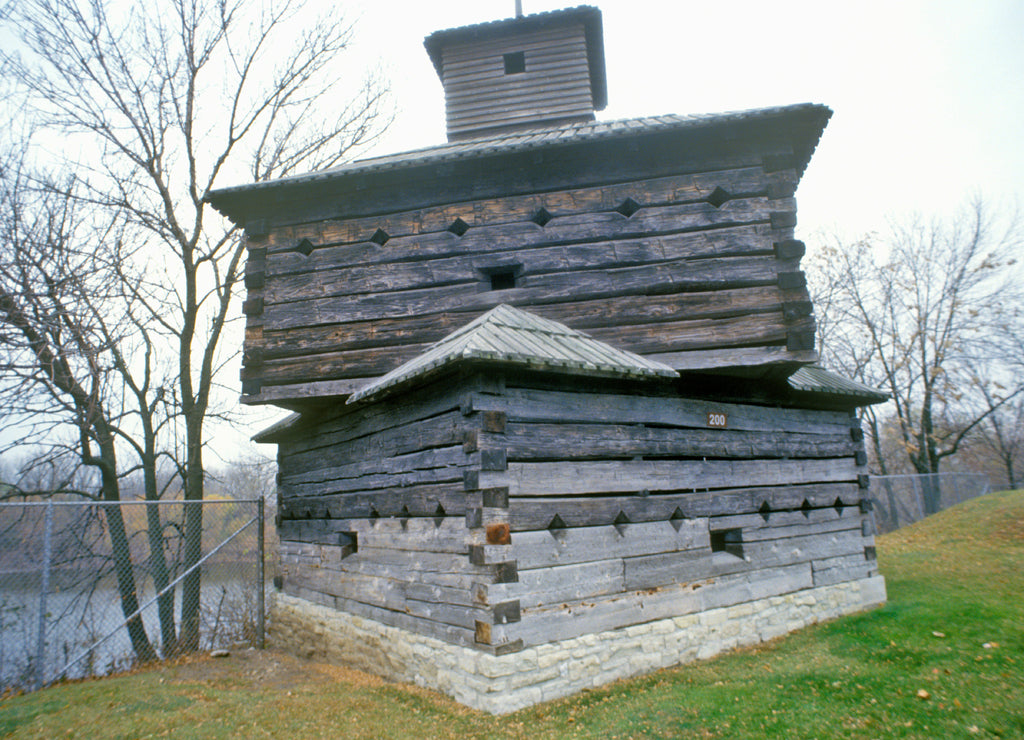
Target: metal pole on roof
{"x": 519, "y": 8}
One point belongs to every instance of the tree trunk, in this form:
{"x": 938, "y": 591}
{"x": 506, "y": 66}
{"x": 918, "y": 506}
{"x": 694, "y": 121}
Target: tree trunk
{"x": 191, "y": 590}
{"x": 123, "y": 568}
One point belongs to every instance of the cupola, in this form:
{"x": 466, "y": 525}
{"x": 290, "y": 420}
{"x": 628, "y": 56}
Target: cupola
{"x": 519, "y": 73}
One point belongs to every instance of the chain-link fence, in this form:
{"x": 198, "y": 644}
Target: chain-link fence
{"x": 89, "y": 588}
{"x": 900, "y": 500}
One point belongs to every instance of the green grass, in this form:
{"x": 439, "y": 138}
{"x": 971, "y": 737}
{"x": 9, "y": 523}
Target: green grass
{"x": 956, "y": 584}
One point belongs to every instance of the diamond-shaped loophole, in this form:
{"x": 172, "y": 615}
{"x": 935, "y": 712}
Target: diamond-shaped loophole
{"x": 677, "y": 519}
{"x": 541, "y": 217}
{"x": 304, "y": 247}
{"x": 838, "y": 506}
{"x": 765, "y": 511}
{"x": 620, "y": 522}
{"x": 557, "y": 528}
{"x": 718, "y": 197}
{"x": 458, "y": 227}
{"x": 805, "y": 507}
{"x": 628, "y": 207}
{"x": 380, "y": 237}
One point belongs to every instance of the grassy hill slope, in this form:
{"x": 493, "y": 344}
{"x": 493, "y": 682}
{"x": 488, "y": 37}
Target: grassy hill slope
{"x": 944, "y": 658}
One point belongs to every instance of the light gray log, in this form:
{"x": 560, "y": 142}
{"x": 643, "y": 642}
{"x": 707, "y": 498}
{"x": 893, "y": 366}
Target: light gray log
{"x": 568, "y": 478}
{"x": 561, "y": 547}
{"x": 557, "y": 584}
{"x": 536, "y": 513}
{"x": 561, "y": 622}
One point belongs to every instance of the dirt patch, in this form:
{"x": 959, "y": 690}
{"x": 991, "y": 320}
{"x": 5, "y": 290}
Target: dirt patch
{"x": 262, "y": 669}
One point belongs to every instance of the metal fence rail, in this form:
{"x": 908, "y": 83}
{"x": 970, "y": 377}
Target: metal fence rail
{"x": 90, "y": 588}
{"x": 900, "y": 500}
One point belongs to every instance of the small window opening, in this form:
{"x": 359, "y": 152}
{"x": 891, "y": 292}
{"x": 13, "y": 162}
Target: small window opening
{"x": 515, "y": 62}
{"x": 503, "y": 279}
{"x": 727, "y": 540}
{"x": 349, "y": 542}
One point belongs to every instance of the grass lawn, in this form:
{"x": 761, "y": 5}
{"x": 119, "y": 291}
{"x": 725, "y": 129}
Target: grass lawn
{"x": 943, "y": 659}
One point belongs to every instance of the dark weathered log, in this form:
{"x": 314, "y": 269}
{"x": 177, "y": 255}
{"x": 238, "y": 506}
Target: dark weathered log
{"x": 420, "y": 500}
{"x": 583, "y": 315}
{"x": 718, "y": 273}
{"x": 346, "y": 422}
{"x": 547, "y": 441}
{"x": 529, "y": 405}
{"x": 444, "y": 430}
{"x": 765, "y": 329}
{"x": 508, "y": 209}
{"x": 370, "y": 468}
{"x": 577, "y": 241}
{"x": 744, "y": 357}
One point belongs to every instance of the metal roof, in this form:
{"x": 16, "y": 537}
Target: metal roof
{"x": 510, "y": 336}
{"x": 815, "y": 379}
{"x": 530, "y": 139}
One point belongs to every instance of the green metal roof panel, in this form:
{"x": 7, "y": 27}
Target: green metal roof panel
{"x": 814, "y": 379}
{"x": 510, "y": 336}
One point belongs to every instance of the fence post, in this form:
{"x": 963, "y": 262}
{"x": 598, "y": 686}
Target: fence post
{"x": 260, "y": 583}
{"x": 44, "y": 588}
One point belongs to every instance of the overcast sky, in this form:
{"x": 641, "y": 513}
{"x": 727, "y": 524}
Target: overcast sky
{"x": 928, "y": 97}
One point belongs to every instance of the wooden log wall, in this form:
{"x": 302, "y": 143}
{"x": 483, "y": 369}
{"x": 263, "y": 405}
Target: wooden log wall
{"x": 699, "y": 270}
{"x": 505, "y": 512}
{"x": 372, "y": 514}
{"x": 625, "y": 508}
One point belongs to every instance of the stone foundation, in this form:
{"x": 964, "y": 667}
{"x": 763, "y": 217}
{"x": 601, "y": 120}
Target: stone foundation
{"x": 505, "y": 683}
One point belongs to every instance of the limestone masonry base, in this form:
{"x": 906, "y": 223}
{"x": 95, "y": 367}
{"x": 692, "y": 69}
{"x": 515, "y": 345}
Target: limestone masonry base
{"x": 505, "y": 683}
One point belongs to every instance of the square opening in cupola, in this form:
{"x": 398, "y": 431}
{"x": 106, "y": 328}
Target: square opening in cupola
{"x": 515, "y": 62}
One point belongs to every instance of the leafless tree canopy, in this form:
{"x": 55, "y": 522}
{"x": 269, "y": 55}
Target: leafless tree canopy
{"x": 929, "y": 312}
{"x": 116, "y": 280}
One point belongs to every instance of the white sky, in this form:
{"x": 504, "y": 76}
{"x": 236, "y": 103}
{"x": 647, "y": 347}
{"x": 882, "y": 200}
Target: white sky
{"x": 928, "y": 96}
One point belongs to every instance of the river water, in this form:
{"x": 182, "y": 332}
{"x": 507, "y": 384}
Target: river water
{"x": 77, "y": 620}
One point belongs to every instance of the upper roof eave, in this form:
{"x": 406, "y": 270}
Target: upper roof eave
{"x": 532, "y": 139}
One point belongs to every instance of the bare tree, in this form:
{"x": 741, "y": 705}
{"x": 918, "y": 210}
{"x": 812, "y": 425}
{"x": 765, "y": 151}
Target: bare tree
{"x": 62, "y": 332}
{"x": 161, "y": 102}
{"x": 912, "y": 311}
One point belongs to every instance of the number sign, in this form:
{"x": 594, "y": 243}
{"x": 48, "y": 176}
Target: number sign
{"x": 717, "y": 419}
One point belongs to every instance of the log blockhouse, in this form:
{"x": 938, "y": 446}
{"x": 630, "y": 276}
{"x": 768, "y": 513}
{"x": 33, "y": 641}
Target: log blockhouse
{"x": 552, "y": 380}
